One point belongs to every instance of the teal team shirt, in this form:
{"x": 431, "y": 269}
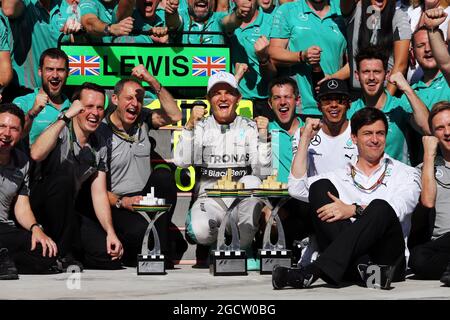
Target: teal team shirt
{"x": 58, "y": 17}
{"x": 243, "y": 41}
{"x": 30, "y": 34}
{"x": 5, "y": 35}
{"x": 282, "y": 152}
{"x": 437, "y": 91}
{"x": 298, "y": 23}
{"x": 107, "y": 14}
{"x": 398, "y": 115}
{"x": 141, "y": 24}
{"x": 45, "y": 118}
{"x": 214, "y": 23}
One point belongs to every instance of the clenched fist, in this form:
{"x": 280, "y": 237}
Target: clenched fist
{"x": 197, "y": 114}
{"x": 434, "y": 17}
{"x": 430, "y": 145}
{"x": 262, "y": 48}
{"x": 39, "y": 102}
{"x": 262, "y": 123}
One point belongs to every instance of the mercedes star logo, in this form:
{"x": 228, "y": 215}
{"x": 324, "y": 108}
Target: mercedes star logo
{"x": 332, "y": 84}
{"x": 316, "y": 140}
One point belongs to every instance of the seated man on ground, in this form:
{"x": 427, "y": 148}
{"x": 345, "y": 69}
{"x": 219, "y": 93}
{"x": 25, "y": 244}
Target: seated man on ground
{"x": 24, "y": 247}
{"x": 361, "y": 213}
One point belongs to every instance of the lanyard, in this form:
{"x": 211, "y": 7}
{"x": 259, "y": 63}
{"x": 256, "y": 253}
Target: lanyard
{"x": 120, "y": 133}
{"x": 375, "y": 185}
{"x": 72, "y": 140}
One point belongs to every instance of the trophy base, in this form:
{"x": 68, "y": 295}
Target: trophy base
{"x": 270, "y": 258}
{"x": 228, "y": 263}
{"x": 147, "y": 265}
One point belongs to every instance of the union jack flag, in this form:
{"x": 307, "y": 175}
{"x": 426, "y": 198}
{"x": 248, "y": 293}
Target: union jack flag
{"x": 84, "y": 65}
{"x": 207, "y": 66}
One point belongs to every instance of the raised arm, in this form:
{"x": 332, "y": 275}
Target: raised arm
{"x": 401, "y": 52}
{"x": 433, "y": 18}
{"x": 173, "y": 20}
{"x": 169, "y": 112}
{"x": 420, "y": 111}
{"x": 46, "y": 142}
{"x": 429, "y": 188}
{"x": 189, "y": 148}
{"x": 300, "y": 162}
{"x": 297, "y": 182}
{"x": 235, "y": 19}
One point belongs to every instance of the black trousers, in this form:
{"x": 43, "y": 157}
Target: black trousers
{"x": 376, "y": 237}
{"x": 429, "y": 260}
{"x": 18, "y": 243}
{"x": 129, "y": 226}
{"x": 296, "y": 221}
{"x": 52, "y": 201}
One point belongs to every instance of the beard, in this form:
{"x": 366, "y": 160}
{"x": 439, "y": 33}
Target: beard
{"x": 51, "y": 95}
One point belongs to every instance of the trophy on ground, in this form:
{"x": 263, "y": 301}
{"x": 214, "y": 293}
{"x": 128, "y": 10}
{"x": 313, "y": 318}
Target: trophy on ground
{"x": 151, "y": 261}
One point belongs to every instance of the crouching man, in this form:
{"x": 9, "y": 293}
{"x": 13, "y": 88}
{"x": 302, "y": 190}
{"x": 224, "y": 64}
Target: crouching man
{"x": 24, "y": 247}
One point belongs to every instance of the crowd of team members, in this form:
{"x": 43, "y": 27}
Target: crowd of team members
{"x": 308, "y": 66}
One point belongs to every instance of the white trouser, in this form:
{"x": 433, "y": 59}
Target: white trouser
{"x": 206, "y": 216}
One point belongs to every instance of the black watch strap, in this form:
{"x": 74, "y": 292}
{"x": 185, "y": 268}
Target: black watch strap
{"x": 36, "y": 225}
{"x": 359, "y": 211}
{"x": 63, "y": 117}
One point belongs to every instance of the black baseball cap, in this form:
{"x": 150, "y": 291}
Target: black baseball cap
{"x": 333, "y": 86}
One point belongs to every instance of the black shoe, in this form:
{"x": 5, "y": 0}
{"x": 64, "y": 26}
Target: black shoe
{"x": 376, "y": 276}
{"x": 445, "y": 278}
{"x": 292, "y": 277}
{"x": 68, "y": 262}
{"x": 8, "y": 270}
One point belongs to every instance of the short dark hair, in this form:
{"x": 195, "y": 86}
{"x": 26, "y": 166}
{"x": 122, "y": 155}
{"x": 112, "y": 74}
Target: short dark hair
{"x": 367, "y": 116}
{"x": 119, "y": 85}
{"x": 438, "y": 107}
{"x": 282, "y": 81}
{"x": 54, "y": 53}
{"x": 372, "y": 52}
{"x": 87, "y": 86}
{"x": 14, "y": 110}
{"x": 424, "y": 28}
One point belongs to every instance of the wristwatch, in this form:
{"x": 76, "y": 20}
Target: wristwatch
{"x": 359, "y": 211}
{"x": 62, "y": 116}
{"x": 107, "y": 30}
{"x": 36, "y": 225}
{"x": 119, "y": 203}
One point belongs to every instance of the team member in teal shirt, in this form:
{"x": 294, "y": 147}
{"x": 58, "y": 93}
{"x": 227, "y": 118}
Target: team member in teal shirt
{"x": 307, "y": 33}
{"x": 371, "y": 72}
{"x": 146, "y": 17}
{"x": 5, "y": 54}
{"x": 249, "y": 45}
{"x": 199, "y": 16}
{"x": 284, "y": 100}
{"x": 30, "y": 26}
{"x": 43, "y": 106}
{"x": 432, "y": 87}
{"x": 65, "y": 18}
{"x": 103, "y": 19}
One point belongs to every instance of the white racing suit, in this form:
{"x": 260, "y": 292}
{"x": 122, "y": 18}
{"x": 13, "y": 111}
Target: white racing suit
{"x": 212, "y": 148}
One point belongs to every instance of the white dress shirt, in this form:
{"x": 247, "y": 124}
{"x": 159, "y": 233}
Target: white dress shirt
{"x": 400, "y": 187}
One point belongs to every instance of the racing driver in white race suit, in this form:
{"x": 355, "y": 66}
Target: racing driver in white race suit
{"x": 212, "y": 145}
